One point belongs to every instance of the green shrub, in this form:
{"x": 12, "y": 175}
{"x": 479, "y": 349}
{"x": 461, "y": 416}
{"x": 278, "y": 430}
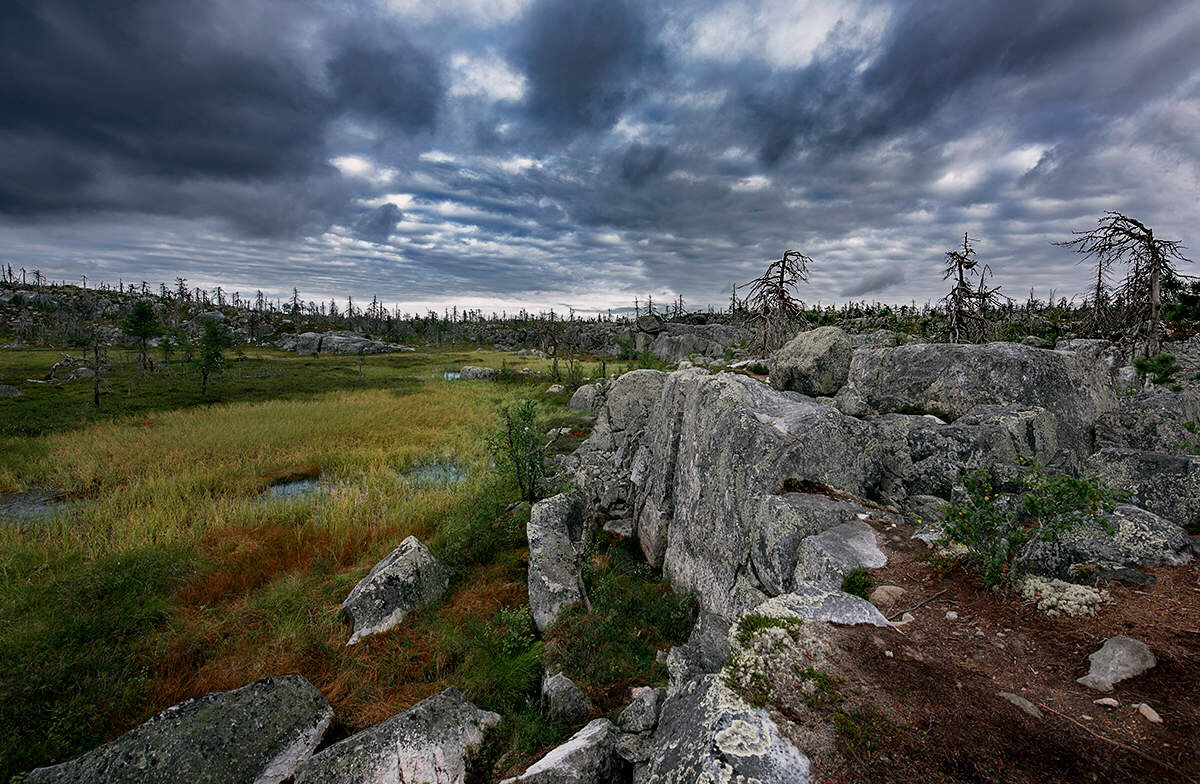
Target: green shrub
{"x": 995, "y": 527}
{"x": 517, "y": 448}
{"x": 1162, "y": 367}
{"x": 858, "y": 583}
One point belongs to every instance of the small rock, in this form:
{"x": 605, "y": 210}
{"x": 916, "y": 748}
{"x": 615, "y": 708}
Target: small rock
{"x": 554, "y": 389}
{"x": 641, "y": 715}
{"x": 1025, "y": 705}
{"x": 905, "y": 619}
{"x": 885, "y": 596}
{"x": 589, "y": 757}
{"x": 565, "y": 702}
{"x": 1119, "y": 658}
{"x": 1150, "y": 714}
{"x": 1108, "y": 702}
{"x": 951, "y": 615}
{"x": 8, "y": 390}
{"x": 473, "y": 373}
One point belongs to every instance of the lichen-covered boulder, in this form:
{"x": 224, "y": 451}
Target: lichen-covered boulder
{"x": 409, "y": 578}
{"x": 429, "y": 742}
{"x": 706, "y": 732}
{"x": 555, "y": 534}
{"x": 565, "y": 702}
{"x": 1128, "y": 538}
{"x": 589, "y": 757}
{"x": 587, "y": 397}
{"x": 814, "y": 363}
{"x": 1166, "y": 484}
{"x": 257, "y": 734}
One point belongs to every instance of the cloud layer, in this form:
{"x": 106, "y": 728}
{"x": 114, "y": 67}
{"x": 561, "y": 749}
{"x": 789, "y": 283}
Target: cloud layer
{"x": 583, "y": 152}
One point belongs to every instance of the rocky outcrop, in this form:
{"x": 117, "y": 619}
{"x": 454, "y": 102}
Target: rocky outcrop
{"x": 589, "y": 757}
{"x": 699, "y": 461}
{"x": 336, "y": 343}
{"x": 1154, "y": 421}
{"x": 814, "y": 363}
{"x": 429, "y": 742}
{"x": 670, "y": 342}
{"x": 409, "y": 578}
{"x": 826, "y": 558}
{"x": 951, "y": 379}
{"x": 257, "y": 734}
{"x": 555, "y": 535}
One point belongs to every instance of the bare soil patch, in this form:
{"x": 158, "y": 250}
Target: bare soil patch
{"x": 921, "y": 703}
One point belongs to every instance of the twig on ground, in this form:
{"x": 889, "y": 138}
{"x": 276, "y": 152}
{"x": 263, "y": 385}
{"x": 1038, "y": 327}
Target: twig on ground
{"x": 1121, "y": 745}
{"x": 918, "y": 605}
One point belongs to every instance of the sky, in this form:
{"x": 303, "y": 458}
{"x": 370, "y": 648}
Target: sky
{"x": 496, "y": 154}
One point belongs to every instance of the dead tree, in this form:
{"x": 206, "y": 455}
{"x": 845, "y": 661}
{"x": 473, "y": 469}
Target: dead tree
{"x": 773, "y": 306}
{"x": 1121, "y": 239}
{"x": 960, "y": 303}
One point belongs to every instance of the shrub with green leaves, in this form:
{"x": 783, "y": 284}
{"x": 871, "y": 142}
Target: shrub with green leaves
{"x": 858, "y": 582}
{"x": 995, "y": 526}
{"x": 1161, "y": 368}
{"x": 517, "y": 448}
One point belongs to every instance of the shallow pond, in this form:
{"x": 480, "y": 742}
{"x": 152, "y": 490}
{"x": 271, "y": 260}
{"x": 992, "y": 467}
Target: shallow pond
{"x": 32, "y": 507}
{"x": 452, "y": 375}
{"x": 440, "y": 472}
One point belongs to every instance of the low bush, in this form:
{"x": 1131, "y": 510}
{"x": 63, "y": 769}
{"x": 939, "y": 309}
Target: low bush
{"x": 995, "y": 526}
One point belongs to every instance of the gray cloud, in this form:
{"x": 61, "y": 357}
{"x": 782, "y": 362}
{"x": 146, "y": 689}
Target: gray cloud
{"x": 596, "y": 153}
{"x": 880, "y": 280}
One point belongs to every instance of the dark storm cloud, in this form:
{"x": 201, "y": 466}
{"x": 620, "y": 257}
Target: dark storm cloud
{"x": 584, "y": 60}
{"x": 934, "y": 53}
{"x": 641, "y": 162}
{"x": 378, "y": 224}
{"x": 156, "y": 106}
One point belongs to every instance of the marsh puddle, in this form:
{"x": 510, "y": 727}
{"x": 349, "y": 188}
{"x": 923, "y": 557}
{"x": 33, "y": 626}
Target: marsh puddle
{"x": 297, "y": 486}
{"x": 33, "y": 507}
{"x": 451, "y": 375}
{"x": 439, "y": 473}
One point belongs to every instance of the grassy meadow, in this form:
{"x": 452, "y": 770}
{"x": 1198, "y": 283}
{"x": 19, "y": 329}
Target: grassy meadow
{"x": 171, "y": 571}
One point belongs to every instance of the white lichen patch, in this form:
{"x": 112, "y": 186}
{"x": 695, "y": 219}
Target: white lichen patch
{"x": 743, "y": 738}
{"x": 1058, "y": 597}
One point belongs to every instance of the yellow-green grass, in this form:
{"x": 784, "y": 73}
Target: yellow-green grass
{"x": 174, "y": 575}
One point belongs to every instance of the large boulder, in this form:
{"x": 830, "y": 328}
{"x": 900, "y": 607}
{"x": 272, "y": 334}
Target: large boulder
{"x": 587, "y": 397}
{"x": 589, "y": 757}
{"x": 555, "y": 534}
{"x": 429, "y": 742}
{"x": 706, "y": 732}
{"x": 1168, "y": 485}
{"x": 409, "y": 578}
{"x": 257, "y": 734}
{"x": 814, "y": 363}
{"x": 1128, "y": 538}
{"x": 335, "y": 343}
{"x": 951, "y": 379}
